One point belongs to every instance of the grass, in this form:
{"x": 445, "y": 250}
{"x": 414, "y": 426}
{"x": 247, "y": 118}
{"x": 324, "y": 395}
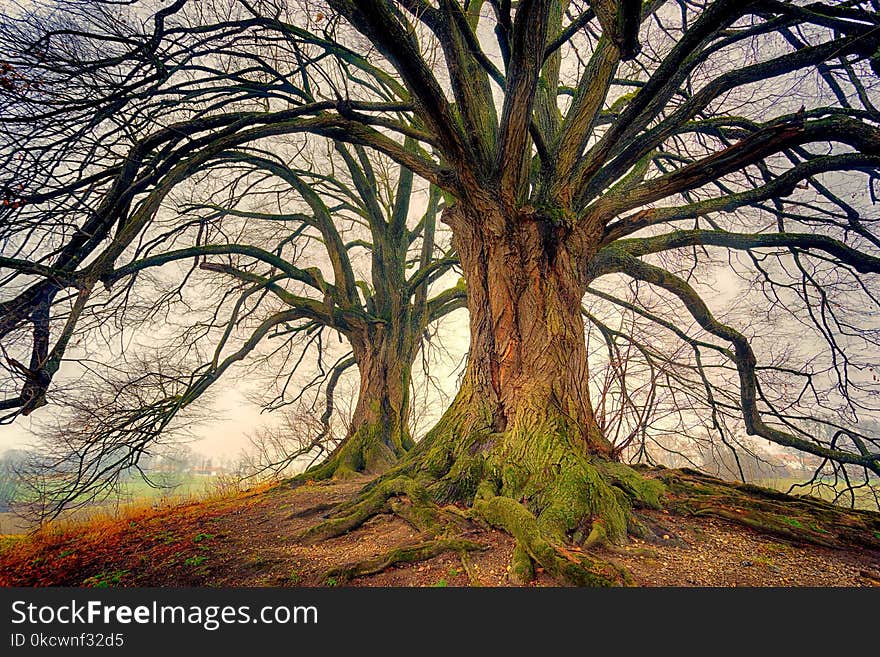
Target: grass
{"x": 8, "y": 540}
{"x": 105, "y": 580}
{"x": 64, "y": 551}
{"x": 133, "y": 493}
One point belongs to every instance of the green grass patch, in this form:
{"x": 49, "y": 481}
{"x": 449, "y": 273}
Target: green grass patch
{"x": 195, "y": 561}
{"x": 202, "y": 537}
{"x": 105, "y": 580}
{"x": 166, "y": 536}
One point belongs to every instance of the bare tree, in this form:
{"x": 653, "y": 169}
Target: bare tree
{"x": 576, "y": 145}
{"x": 250, "y": 237}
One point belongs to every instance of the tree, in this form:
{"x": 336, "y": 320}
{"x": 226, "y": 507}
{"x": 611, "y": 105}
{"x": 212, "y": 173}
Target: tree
{"x": 578, "y": 144}
{"x": 551, "y": 196}
{"x": 254, "y": 235}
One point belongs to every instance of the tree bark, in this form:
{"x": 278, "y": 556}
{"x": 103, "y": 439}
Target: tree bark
{"x": 379, "y": 431}
{"x": 528, "y": 357}
{"x": 520, "y": 441}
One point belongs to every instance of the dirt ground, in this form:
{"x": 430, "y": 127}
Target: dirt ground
{"x": 247, "y": 540}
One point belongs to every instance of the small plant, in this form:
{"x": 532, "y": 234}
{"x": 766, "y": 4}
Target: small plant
{"x": 166, "y": 536}
{"x": 195, "y": 561}
{"x": 440, "y": 583}
{"x": 331, "y": 581}
{"x": 794, "y": 522}
{"x": 294, "y": 577}
{"x": 105, "y": 580}
{"x": 202, "y": 537}
{"x": 454, "y": 572}
{"x": 66, "y": 553}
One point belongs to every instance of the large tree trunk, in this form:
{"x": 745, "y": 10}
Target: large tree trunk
{"x": 520, "y": 441}
{"x": 379, "y": 431}
{"x": 528, "y": 358}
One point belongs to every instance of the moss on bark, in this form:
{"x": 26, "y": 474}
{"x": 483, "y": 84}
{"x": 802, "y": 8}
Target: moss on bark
{"x": 535, "y": 481}
{"x": 406, "y": 554}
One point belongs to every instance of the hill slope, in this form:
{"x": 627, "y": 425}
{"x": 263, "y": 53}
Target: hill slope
{"x": 711, "y": 534}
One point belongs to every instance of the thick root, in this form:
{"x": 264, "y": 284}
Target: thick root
{"x": 568, "y": 566}
{"x": 473, "y": 577}
{"x": 408, "y": 554}
{"x": 522, "y": 569}
{"x": 796, "y": 519}
{"x": 535, "y": 482}
{"x": 351, "y": 516}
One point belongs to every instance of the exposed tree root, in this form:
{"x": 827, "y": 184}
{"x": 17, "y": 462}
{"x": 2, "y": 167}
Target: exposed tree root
{"x": 555, "y": 504}
{"x": 473, "y": 578}
{"x": 588, "y": 503}
{"x": 567, "y": 565}
{"x": 797, "y": 519}
{"x": 408, "y": 554}
{"x": 372, "y": 501}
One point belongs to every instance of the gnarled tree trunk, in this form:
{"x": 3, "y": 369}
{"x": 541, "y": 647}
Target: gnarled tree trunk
{"x": 520, "y": 441}
{"x": 379, "y": 431}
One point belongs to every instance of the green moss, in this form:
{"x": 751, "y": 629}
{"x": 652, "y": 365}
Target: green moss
{"x": 565, "y": 566}
{"x": 641, "y": 490}
{"x": 401, "y": 555}
{"x": 521, "y": 569}
{"x": 105, "y": 580}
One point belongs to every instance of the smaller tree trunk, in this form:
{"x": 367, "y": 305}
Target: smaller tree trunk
{"x": 379, "y": 431}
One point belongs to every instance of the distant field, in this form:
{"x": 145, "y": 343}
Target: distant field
{"x": 135, "y": 490}
{"x": 12, "y": 524}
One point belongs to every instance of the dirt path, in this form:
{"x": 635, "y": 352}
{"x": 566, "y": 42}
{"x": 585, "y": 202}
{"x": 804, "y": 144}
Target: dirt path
{"x": 247, "y": 541}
